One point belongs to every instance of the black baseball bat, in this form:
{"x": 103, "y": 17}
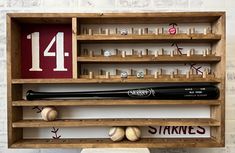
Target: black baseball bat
{"x": 193, "y": 92}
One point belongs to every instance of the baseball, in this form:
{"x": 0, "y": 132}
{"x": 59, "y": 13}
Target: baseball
{"x": 49, "y": 113}
{"x": 124, "y": 32}
{"x": 133, "y": 133}
{"x": 107, "y": 53}
{"x": 172, "y": 30}
{"x": 124, "y": 74}
{"x": 116, "y": 133}
{"x": 140, "y": 75}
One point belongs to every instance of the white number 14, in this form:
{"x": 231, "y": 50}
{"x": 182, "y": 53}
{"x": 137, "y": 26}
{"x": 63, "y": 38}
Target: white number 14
{"x": 59, "y": 53}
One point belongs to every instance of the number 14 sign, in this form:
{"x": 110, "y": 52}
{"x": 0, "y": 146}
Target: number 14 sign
{"x": 46, "y": 51}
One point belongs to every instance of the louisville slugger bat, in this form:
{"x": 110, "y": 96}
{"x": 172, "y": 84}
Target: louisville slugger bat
{"x": 169, "y": 92}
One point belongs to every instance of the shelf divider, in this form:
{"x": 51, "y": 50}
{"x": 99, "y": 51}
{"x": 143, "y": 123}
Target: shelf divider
{"x": 74, "y": 47}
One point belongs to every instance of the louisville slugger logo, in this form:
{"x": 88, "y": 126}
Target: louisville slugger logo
{"x": 141, "y": 93}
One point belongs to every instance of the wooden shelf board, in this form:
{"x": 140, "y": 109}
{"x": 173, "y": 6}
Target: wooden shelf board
{"x": 45, "y": 20}
{"x": 115, "y": 80}
{"x": 190, "y": 17}
{"x": 121, "y": 18}
{"x": 149, "y": 59}
{"x": 152, "y": 18}
{"x": 107, "y": 143}
{"x": 151, "y": 37}
{"x": 112, "y": 102}
{"x": 115, "y": 122}
{"x": 148, "y": 20}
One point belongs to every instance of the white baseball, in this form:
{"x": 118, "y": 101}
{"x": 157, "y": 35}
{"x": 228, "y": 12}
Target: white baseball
{"x": 107, "y": 53}
{"x": 124, "y": 32}
{"x": 133, "y": 133}
{"x": 49, "y": 113}
{"x": 124, "y": 75}
{"x": 116, "y": 133}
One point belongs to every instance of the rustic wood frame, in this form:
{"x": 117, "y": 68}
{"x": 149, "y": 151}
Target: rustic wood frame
{"x": 15, "y": 82}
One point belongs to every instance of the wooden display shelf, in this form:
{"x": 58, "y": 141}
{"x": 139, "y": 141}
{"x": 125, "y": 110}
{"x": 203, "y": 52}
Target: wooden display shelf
{"x": 114, "y": 122}
{"x": 116, "y": 79}
{"x": 151, "y": 38}
{"x": 112, "y": 102}
{"x": 149, "y": 59}
{"x": 107, "y": 143}
{"x": 214, "y": 35}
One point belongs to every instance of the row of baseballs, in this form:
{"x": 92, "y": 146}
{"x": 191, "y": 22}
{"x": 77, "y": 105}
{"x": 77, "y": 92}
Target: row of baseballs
{"x": 115, "y": 133}
{"x": 119, "y": 133}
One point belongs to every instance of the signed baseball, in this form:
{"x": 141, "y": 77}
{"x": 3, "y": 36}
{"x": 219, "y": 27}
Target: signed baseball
{"x": 140, "y": 75}
{"x": 133, "y": 133}
{"x": 107, "y": 53}
{"x": 49, "y": 113}
{"x": 124, "y": 74}
{"x": 116, "y": 133}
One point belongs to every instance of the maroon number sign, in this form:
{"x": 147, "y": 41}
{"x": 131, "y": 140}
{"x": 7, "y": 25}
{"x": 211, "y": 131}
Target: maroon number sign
{"x": 46, "y": 51}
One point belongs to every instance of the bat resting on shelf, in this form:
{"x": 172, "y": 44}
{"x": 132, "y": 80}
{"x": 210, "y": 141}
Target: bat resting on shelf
{"x": 180, "y": 92}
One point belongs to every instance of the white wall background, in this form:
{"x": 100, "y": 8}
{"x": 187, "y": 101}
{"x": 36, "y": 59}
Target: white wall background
{"x": 122, "y": 6}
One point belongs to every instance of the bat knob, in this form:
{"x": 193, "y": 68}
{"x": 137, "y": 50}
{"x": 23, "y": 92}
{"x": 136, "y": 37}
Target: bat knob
{"x": 29, "y": 95}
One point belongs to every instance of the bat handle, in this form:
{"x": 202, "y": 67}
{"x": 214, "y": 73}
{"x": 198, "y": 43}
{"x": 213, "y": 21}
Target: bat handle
{"x": 32, "y": 95}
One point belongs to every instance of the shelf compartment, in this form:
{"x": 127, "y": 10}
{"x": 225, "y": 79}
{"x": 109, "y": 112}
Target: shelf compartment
{"x": 149, "y": 59}
{"x": 116, "y": 79}
{"x": 107, "y": 143}
{"x": 151, "y": 38}
{"x": 115, "y": 122}
{"x": 112, "y": 102}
